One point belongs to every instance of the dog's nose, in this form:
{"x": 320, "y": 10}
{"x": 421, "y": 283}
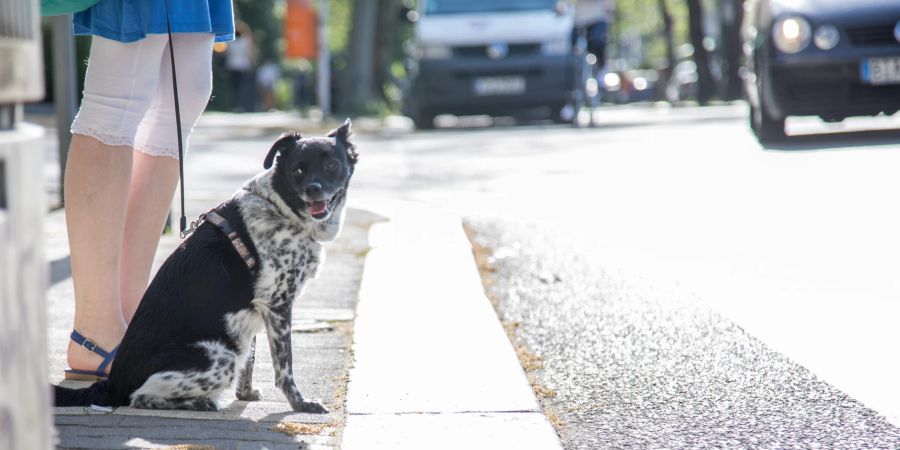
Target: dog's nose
{"x": 313, "y": 189}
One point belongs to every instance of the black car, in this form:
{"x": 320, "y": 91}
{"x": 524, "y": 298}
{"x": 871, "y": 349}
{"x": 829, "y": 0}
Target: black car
{"x": 828, "y": 58}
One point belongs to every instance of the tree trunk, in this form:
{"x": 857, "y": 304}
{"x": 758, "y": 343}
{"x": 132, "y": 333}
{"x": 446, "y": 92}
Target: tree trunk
{"x": 357, "y": 86}
{"x": 385, "y": 34}
{"x": 732, "y": 16}
{"x": 666, "y": 73}
{"x": 701, "y": 56}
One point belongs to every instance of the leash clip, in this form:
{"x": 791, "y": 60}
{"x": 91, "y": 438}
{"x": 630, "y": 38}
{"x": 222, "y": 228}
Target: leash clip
{"x": 193, "y": 227}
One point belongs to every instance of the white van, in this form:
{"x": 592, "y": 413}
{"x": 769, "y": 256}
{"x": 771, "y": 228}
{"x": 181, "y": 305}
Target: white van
{"x": 497, "y": 57}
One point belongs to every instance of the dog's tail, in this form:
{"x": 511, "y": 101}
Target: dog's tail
{"x": 95, "y": 394}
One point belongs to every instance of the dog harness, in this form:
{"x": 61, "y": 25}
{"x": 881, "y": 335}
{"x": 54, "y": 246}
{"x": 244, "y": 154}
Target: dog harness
{"x": 233, "y": 236}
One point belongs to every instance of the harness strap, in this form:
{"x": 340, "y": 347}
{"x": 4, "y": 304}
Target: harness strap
{"x": 233, "y": 236}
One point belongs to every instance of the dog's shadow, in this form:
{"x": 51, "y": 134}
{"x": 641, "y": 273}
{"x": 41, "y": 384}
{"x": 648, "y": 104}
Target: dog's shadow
{"x": 262, "y": 422}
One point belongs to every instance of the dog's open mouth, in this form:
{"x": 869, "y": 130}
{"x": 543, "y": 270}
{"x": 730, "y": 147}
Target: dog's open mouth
{"x": 320, "y": 209}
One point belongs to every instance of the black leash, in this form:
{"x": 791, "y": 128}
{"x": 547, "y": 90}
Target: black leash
{"x": 183, "y": 221}
{"x": 212, "y": 216}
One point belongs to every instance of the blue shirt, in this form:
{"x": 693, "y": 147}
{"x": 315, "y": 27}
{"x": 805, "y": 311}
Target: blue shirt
{"x": 132, "y": 20}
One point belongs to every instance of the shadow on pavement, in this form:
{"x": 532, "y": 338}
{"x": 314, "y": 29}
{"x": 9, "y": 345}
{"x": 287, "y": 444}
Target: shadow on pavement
{"x": 60, "y": 269}
{"x": 836, "y": 141}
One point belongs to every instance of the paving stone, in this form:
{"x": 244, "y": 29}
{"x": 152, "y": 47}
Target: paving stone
{"x": 320, "y": 362}
{"x": 471, "y": 431}
{"x": 123, "y": 431}
{"x": 421, "y": 266}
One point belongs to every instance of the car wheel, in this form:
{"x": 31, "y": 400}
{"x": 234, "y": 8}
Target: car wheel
{"x": 765, "y": 127}
{"x": 752, "y": 118}
{"x": 563, "y": 114}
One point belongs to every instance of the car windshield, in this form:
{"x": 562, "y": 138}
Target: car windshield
{"x": 479, "y": 6}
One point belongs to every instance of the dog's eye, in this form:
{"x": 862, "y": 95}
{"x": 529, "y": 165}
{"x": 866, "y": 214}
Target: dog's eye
{"x": 332, "y": 166}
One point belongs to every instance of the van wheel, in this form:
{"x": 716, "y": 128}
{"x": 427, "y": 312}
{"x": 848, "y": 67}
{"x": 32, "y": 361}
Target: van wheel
{"x": 423, "y": 120}
{"x": 563, "y": 114}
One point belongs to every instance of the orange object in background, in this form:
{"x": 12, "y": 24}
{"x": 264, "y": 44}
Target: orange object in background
{"x": 300, "y": 30}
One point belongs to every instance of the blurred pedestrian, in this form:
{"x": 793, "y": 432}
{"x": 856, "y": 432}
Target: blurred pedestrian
{"x": 592, "y": 17}
{"x": 240, "y": 60}
{"x": 266, "y": 78}
{"x": 303, "y": 92}
{"x": 122, "y": 167}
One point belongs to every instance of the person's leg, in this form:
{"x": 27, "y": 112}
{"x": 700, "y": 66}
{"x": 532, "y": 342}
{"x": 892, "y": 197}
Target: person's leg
{"x": 153, "y": 183}
{"x": 98, "y": 173}
{"x": 155, "y": 167}
{"x": 96, "y": 187}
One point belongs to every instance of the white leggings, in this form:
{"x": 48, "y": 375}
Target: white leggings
{"x": 128, "y": 98}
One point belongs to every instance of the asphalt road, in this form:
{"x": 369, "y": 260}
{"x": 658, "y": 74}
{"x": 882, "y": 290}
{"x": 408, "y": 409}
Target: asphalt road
{"x": 711, "y": 288}
{"x": 630, "y": 364}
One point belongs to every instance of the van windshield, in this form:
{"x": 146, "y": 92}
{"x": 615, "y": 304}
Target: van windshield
{"x": 479, "y": 6}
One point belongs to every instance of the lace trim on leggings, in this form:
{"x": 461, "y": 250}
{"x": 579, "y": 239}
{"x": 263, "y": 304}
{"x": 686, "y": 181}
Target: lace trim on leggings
{"x": 106, "y": 138}
{"x": 158, "y": 150}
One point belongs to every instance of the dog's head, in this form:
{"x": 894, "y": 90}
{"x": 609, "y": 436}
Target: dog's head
{"x": 311, "y": 175}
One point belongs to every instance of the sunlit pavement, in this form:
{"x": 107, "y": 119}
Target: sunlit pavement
{"x": 797, "y": 244}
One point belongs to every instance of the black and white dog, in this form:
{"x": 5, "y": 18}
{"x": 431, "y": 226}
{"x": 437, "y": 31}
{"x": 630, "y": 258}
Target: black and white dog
{"x": 193, "y": 334}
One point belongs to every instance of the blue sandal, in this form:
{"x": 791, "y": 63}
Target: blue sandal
{"x": 87, "y": 375}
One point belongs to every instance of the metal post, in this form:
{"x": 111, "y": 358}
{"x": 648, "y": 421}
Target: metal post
{"x": 65, "y": 96}
{"x": 8, "y": 116}
{"x": 323, "y": 73}
{"x": 25, "y": 418}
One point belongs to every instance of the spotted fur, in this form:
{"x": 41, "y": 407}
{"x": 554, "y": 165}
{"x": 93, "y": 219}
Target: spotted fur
{"x": 193, "y": 335}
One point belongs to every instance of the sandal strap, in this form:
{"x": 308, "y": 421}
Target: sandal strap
{"x": 108, "y": 357}
{"x": 107, "y": 360}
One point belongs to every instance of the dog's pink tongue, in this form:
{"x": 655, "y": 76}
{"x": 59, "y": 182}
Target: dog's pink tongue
{"x": 317, "y": 207}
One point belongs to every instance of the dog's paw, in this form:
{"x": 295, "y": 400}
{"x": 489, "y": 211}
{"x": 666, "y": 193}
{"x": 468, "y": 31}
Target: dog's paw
{"x": 202, "y": 404}
{"x": 310, "y": 407}
{"x": 252, "y": 395}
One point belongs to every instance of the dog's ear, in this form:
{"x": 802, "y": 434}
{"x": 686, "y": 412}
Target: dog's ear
{"x": 283, "y": 144}
{"x": 342, "y": 133}
{"x": 341, "y": 136}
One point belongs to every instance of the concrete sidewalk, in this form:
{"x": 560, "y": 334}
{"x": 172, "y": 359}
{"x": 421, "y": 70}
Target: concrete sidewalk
{"x": 323, "y": 324}
{"x": 432, "y": 368}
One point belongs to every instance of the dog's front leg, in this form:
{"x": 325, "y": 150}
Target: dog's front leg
{"x": 245, "y": 389}
{"x": 278, "y": 327}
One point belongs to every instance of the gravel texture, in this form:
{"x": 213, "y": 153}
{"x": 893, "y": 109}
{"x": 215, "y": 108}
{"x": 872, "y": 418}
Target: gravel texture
{"x": 638, "y": 366}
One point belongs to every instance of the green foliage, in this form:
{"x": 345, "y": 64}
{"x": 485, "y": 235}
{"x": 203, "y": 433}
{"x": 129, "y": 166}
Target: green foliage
{"x": 222, "y": 95}
{"x": 641, "y": 21}
{"x": 339, "y": 20}
{"x": 266, "y": 19}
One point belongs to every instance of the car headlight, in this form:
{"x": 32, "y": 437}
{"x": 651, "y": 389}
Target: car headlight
{"x": 433, "y": 51}
{"x": 827, "y": 37}
{"x": 555, "y": 46}
{"x": 791, "y": 34}
{"x": 612, "y": 81}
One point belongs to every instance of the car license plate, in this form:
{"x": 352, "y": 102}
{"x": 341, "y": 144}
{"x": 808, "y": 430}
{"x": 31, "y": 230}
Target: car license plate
{"x": 881, "y": 70}
{"x": 499, "y": 85}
